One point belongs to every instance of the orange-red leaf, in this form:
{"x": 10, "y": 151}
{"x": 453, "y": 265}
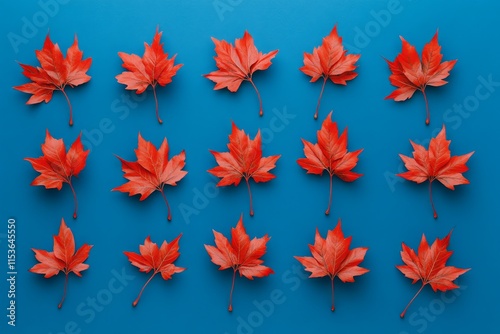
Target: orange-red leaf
{"x": 160, "y": 260}
{"x": 153, "y": 68}
{"x": 244, "y": 160}
{"x": 330, "y": 154}
{"x": 62, "y": 258}
{"x": 55, "y": 73}
{"x": 436, "y": 164}
{"x": 330, "y": 61}
{"x": 332, "y": 257}
{"x": 238, "y": 63}
{"x": 429, "y": 266}
{"x": 152, "y": 171}
{"x": 241, "y": 254}
{"x": 410, "y": 73}
{"x": 56, "y": 166}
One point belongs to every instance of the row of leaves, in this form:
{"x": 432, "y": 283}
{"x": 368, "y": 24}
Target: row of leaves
{"x": 153, "y": 169}
{"x": 331, "y": 257}
{"x": 236, "y": 63}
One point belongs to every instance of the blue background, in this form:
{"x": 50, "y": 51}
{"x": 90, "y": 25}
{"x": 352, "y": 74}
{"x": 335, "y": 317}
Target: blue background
{"x": 379, "y": 210}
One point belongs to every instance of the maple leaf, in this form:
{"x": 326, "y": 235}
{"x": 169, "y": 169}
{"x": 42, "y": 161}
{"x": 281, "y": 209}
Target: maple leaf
{"x": 154, "y": 68}
{"x": 238, "y": 63}
{"x": 410, "y": 73}
{"x": 330, "y": 154}
{"x": 330, "y": 61}
{"x": 436, "y": 164}
{"x": 332, "y": 257}
{"x": 429, "y": 266}
{"x": 241, "y": 254}
{"x": 159, "y": 260}
{"x": 152, "y": 171}
{"x": 62, "y": 258}
{"x": 55, "y": 73}
{"x": 57, "y": 167}
{"x": 244, "y": 160}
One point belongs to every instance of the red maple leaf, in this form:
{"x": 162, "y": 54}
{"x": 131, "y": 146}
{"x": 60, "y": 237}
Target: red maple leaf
{"x": 330, "y": 60}
{"x": 63, "y": 258}
{"x": 154, "y": 68}
{"x": 238, "y": 63}
{"x": 429, "y": 266}
{"x": 410, "y": 74}
{"x": 331, "y": 257}
{"x": 152, "y": 171}
{"x": 241, "y": 254}
{"x": 436, "y": 164}
{"x": 57, "y": 167}
{"x": 55, "y": 73}
{"x": 160, "y": 260}
{"x": 330, "y": 154}
{"x": 244, "y": 160}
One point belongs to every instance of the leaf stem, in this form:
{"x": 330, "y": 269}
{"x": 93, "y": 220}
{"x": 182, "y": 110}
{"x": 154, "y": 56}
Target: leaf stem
{"x": 64, "y": 293}
{"x": 428, "y": 119}
{"x": 136, "y": 301}
{"x": 70, "y": 107}
{"x": 261, "y": 112}
{"x": 75, "y": 213}
{"x": 230, "y": 307}
{"x": 169, "y": 217}
{"x": 319, "y": 99}
{"x": 250, "y": 196}
{"x": 156, "y": 104}
{"x": 327, "y": 212}
{"x": 333, "y": 304}
{"x": 432, "y": 202}
{"x": 402, "y": 315}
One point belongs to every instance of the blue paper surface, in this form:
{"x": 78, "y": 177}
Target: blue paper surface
{"x": 379, "y": 210}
